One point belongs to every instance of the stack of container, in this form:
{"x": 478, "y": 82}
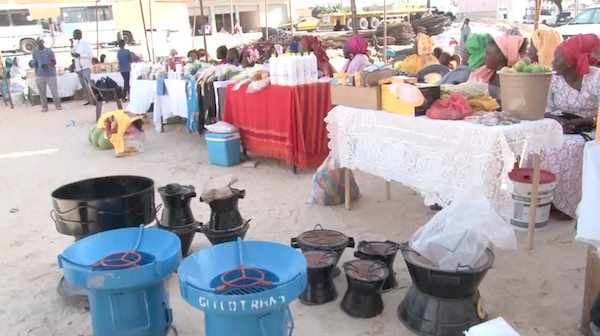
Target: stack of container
{"x": 294, "y": 69}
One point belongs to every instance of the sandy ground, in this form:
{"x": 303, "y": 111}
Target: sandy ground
{"x": 538, "y": 292}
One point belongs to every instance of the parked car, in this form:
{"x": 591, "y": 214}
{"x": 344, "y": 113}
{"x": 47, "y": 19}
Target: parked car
{"x": 586, "y": 22}
{"x": 546, "y": 17}
{"x": 449, "y": 39}
{"x": 303, "y": 24}
{"x": 563, "y": 18}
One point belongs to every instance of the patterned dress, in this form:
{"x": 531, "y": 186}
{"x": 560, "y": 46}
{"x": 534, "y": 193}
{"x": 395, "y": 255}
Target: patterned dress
{"x": 566, "y": 162}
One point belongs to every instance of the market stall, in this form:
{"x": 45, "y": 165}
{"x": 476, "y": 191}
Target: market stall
{"x": 142, "y": 95}
{"x": 67, "y": 84}
{"x": 284, "y": 122}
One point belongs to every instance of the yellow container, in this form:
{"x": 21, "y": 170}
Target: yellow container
{"x": 391, "y": 103}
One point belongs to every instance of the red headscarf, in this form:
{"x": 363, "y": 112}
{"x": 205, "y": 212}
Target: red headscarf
{"x": 357, "y": 44}
{"x": 312, "y": 43}
{"x": 578, "y": 51}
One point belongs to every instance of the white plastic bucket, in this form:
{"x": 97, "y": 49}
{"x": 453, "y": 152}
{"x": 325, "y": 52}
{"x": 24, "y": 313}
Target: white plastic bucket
{"x": 520, "y": 200}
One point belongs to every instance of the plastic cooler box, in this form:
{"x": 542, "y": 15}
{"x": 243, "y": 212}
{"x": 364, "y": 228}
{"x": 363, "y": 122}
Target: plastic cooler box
{"x": 223, "y": 148}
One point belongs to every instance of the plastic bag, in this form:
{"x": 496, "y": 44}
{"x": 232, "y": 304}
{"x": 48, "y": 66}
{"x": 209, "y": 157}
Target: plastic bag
{"x": 329, "y": 185}
{"x": 456, "y": 107}
{"x": 458, "y": 235}
{"x": 258, "y": 85}
{"x": 221, "y": 127}
{"x": 495, "y": 327}
{"x": 218, "y": 188}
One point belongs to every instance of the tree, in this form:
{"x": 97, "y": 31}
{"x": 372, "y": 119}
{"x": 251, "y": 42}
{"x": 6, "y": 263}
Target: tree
{"x": 558, "y": 4}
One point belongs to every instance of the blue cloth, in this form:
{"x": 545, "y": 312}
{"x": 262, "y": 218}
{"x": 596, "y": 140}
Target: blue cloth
{"x": 160, "y": 85}
{"x": 43, "y": 59}
{"x": 193, "y": 107}
{"x": 124, "y": 57}
{"x": 456, "y": 76}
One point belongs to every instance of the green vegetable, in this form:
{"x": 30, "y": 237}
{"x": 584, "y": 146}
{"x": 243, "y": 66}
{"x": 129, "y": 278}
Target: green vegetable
{"x": 96, "y": 134}
{"x": 537, "y": 68}
{"x": 90, "y": 134}
{"x": 528, "y": 68}
{"x": 527, "y": 60}
{"x": 103, "y": 142}
{"x": 520, "y": 65}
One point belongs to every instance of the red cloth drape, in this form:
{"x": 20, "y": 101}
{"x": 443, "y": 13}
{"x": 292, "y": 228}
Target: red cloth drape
{"x": 284, "y": 122}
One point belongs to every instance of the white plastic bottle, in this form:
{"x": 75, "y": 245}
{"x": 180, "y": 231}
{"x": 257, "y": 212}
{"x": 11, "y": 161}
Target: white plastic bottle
{"x": 299, "y": 69}
{"x": 273, "y": 70}
{"x": 306, "y": 65}
{"x": 282, "y": 70}
{"x": 314, "y": 70}
{"x": 291, "y": 66}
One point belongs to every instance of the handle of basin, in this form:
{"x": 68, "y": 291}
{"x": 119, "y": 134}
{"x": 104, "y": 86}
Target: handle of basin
{"x": 289, "y": 319}
{"x": 361, "y": 255}
{"x": 294, "y": 243}
{"x": 156, "y": 213}
{"x": 350, "y": 242}
{"x": 53, "y": 216}
{"x": 445, "y": 278}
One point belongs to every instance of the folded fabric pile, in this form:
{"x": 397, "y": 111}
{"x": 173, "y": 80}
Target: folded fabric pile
{"x": 493, "y": 118}
{"x": 476, "y": 94}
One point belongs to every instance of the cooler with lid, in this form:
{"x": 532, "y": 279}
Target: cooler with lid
{"x": 223, "y": 148}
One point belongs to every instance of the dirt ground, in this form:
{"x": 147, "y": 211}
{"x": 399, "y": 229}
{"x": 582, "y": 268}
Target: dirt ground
{"x": 538, "y": 292}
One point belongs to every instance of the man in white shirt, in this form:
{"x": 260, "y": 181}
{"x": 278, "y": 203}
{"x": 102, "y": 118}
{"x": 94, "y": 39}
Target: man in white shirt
{"x": 82, "y": 52}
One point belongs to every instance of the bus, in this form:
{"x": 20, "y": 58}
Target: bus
{"x": 21, "y": 25}
{"x": 18, "y": 31}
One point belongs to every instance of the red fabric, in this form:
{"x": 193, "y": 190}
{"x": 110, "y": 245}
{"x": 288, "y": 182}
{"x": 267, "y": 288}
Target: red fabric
{"x": 285, "y": 122}
{"x": 456, "y": 107}
{"x": 578, "y": 51}
{"x": 357, "y": 45}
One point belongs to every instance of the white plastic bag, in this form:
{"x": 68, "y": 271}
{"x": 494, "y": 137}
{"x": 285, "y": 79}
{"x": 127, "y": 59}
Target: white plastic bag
{"x": 495, "y": 327}
{"x": 221, "y": 127}
{"x": 458, "y": 235}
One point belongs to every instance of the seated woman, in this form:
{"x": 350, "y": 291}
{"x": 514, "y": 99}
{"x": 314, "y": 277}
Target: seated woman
{"x": 233, "y": 56}
{"x": 356, "y": 48}
{"x": 192, "y": 56}
{"x": 17, "y": 77}
{"x": 249, "y": 56}
{"x": 422, "y": 56}
{"x": 543, "y": 45}
{"x": 573, "y": 101}
{"x": 222, "y": 54}
{"x": 311, "y": 43}
{"x": 500, "y": 52}
{"x": 473, "y": 59}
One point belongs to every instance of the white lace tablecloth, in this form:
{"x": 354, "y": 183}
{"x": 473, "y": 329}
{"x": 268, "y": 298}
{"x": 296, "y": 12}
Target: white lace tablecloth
{"x": 67, "y": 85}
{"x": 435, "y": 157}
{"x": 173, "y": 103}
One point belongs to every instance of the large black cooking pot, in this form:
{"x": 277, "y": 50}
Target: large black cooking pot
{"x": 86, "y": 207}
{"x": 430, "y": 280}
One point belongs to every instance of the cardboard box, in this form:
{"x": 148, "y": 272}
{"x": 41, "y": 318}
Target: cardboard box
{"x": 368, "y": 79}
{"x": 367, "y": 98}
{"x": 391, "y": 103}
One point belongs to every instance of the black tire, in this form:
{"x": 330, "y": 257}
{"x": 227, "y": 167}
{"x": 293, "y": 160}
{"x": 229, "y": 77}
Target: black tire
{"x": 128, "y": 37}
{"x": 449, "y": 19}
{"x": 349, "y": 24}
{"x": 363, "y": 24}
{"x": 374, "y": 23}
{"x": 317, "y": 29}
{"x": 27, "y": 45}
{"x": 544, "y": 22}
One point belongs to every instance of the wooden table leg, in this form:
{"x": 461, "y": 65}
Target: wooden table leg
{"x": 534, "y": 201}
{"x": 347, "y": 196}
{"x": 388, "y": 186}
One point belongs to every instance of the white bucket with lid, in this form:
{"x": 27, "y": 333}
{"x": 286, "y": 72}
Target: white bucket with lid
{"x": 520, "y": 198}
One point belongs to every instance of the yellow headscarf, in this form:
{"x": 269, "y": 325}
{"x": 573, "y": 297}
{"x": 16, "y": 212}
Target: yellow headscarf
{"x": 545, "y": 41}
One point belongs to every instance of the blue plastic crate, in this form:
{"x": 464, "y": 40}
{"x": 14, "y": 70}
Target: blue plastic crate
{"x": 223, "y": 148}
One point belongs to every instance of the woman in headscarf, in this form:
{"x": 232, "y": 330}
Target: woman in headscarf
{"x": 17, "y": 77}
{"x": 573, "y": 101}
{"x": 249, "y": 56}
{"x": 356, "y": 48}
{"x": 502, "y": 51}
{"x": 543, "y": 45}
{"x": 311, "y": 43}
{"x": 192, "y": 56}
{"x": 472, "y": 60}
{"x": 422, "y": 57}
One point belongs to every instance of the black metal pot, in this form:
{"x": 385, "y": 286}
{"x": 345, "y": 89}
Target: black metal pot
{"x": 176, "y": 205}
{"x": 365, "y": 280}
{"x": 430, "y": 280}
{"x": 89, "y": 206}
{"x": 224, "y": 213}
{"x": 324, "y": 240}
{"x": 320, "y": 288}
{"x": 384, "y": 251}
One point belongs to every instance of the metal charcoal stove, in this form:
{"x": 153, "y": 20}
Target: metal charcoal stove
{"x": 384, "y": 251}
{"x": 442, "y": 303}
{"x": 244, "y": 287}
{"x": 324, "y": 240}
{"x": 125, "y": 273}
{"x": 320, "y": 288}
{"x": 365, "y": 280}
{"x": 177, "y": 214}
{"x": 226, "y": 223}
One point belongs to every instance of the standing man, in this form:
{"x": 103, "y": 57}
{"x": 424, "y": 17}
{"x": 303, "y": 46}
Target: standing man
{"x": 82, "y": 52}
{"x": 124, "y": 56}
{"x": 45, "y": 74}
{"x": 465, "y": 30}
